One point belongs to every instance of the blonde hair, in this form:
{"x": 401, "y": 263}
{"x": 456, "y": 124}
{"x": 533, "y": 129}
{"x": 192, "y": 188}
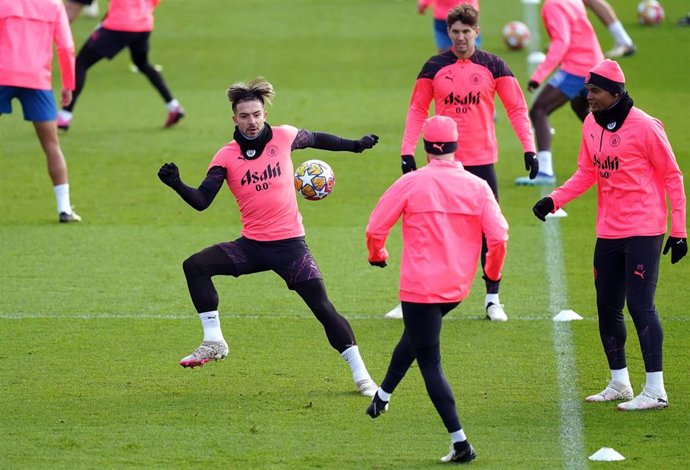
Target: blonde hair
{"x": 258, "y": 89}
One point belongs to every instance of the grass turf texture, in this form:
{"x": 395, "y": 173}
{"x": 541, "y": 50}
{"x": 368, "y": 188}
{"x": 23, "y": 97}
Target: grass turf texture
{"x": 95, "y": 316}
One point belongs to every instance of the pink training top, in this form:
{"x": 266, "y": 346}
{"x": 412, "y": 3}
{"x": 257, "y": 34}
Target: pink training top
{"x": 464, "y": 90}
{"x": 634, "y": 169}
{"x": 442, "y": 7}
{"x": 264, "y": 188}
{"x": 28, "y": 29}
{"x": 574, "y": 44}
{"x": 445, "y": 209}
{"x": 135, "y": 16}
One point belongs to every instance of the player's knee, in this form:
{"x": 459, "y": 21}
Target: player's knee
{"x": 192, "y": 266}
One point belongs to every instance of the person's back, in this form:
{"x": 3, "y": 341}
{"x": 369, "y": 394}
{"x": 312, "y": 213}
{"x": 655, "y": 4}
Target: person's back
{"x": 130, "y": 15}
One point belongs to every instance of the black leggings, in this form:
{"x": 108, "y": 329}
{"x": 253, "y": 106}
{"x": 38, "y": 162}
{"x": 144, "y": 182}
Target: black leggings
{"x": 628, "y": 269}
{"x": 200, "y": 267}
{"x": 89, "y": 56}
{"x": 420, "y": 340}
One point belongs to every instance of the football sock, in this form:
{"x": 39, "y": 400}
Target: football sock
{"x": 545, "y": 165}
{"x": 655, "y": 380}
{"x": 210, "y": 322}
{"x": 172, "y": 105}
{"x": 619, "y": 34}
{"x": 62, "y": 198}
{"x": 491, "y": 298}
{"x": 621, "y": 376}
{"x": 354, "y": 360}
{"x": 384, "y": 396}
{"x": 65, "y": 115}
{"x": 458, "y": 436}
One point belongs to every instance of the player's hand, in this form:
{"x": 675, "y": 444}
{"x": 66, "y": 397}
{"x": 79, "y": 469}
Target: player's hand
{"x": 532, "y": 85}
{"x": 421, "y": 8}
{"x": 66, "y": 97}
{"x": 531, "y": 164}
{"x": 169, "y": 174}
{"x": 408, "y": 163}
{"x": 678, "y": 247}
{"x": 543, "y": 207}
{"x": 378, "y": 264}
{"x": 366, "y": 142}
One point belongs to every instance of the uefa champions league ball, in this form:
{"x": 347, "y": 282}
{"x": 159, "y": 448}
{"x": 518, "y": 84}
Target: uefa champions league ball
{"x": 650, "y": 12}
{"x": 516, "y": 35}
{"x": 314, "y": 179}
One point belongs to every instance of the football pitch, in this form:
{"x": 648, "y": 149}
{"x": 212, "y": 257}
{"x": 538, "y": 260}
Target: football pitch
{"x": 95, "y": 316}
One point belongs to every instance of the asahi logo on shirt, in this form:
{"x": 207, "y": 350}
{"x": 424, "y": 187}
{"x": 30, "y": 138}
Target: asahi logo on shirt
{"x": 455, "y": 99}
{"x": 606, "y": 166}
{"x": 261, "y": 178}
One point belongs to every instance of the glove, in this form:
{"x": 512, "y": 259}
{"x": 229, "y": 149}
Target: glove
{"x": 678, "y": 247}
{"x": 532, "y": 85}
{"x": 543, "y": 207}
{"x": 531, "y": 164}
{"x": 366, "y": 142}
{"x": 408, "y": 164}
{"x": 378, "y": 264}
{"x": 169, "y": 174}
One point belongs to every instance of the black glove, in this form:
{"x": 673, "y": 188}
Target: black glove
{"x": 678, "y": 247}
{"x": 531, "y": 164}
{"x": 543, "y": 207}
{"x": 378, "y": 264}
{"x": 170, "y": 175}
{"x": 532, "y": 85}
{"x": 408, "y": 164}
{"x": 366, "y": 142}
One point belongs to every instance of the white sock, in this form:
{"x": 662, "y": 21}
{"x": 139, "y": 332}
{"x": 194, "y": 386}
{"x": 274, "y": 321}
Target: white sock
{"x": 491, "y": 298}
{"x": 62, "y": 198}
{"x": 458, "y": 436}
{"x": 354, "y": 360}
{"x": 383, "y": 395}
{"x": 619, "y": 34}
{"x": 545, "y": 165}
{"x": 210, "y": 322}
{"x": 621, "y": 376}
{"x": 655, "y": 380}
{"x": 64, "y": 115}
{"x": 172, "y": 104}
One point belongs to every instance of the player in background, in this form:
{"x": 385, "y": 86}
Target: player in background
{"x": 626, "y": 153}
{"x": 28, "y": 29}
{"x": 258, "y": 169}
{"x": 446, "y": 214}
{"x": 573, "y": 51}
{"x": 462, "y": 82}
{"x": 128, "y": 23}
{"x": 624, "y": 45}
{"x": 441, "y": 9}
{"x": 75, "y": 7}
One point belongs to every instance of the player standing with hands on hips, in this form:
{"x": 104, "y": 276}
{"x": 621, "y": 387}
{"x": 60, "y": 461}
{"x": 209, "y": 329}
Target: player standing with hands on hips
{"x": 272, "y": 237}
{"x": 626, "y": 153}
{"x": 462, "y": 82}
{"x": 446, "y": 211}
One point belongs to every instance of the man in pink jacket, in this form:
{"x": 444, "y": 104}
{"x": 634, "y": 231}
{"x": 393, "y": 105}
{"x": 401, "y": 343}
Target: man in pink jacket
{"x": 445, "y": 212}
{"x": 28, "y": 29}
{"x": 626, "y": 153}
{"x": 463, "y": 82}
{"x": 129, "y": 24}
{"x": 574, "y": 50}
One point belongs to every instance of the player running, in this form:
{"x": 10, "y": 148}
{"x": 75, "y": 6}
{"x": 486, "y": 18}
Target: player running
{"x": 258, "y": 169}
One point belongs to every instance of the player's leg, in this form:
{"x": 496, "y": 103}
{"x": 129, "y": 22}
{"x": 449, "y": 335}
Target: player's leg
{"x": 39, "y": 108}
{"x": 609, "y": 280}
{"x": 580, "y": 106}
{"x": 624, "y": 45}
{"x": 641, "y": 275}
{"x": 139, "y": 51}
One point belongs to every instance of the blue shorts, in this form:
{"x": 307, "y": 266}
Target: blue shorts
{"x": 441, "y": 35}
{"x": 289, "y": 258}
{"x": 38, "y": 105}
{"x": 572, "y": 86}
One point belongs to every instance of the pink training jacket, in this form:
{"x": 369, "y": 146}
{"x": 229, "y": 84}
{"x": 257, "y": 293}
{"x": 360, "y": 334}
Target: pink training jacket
{"x": 135, "y": 16}
{"x": 442, "y": 7}
{"x": 264, "y": 188}
{"x": 634, "y": 169}
{"x": 28, "y": 29}
{"x": 445, "y": 209}
{"x": 574, "y": 45}
{"x": 464, "y": 91}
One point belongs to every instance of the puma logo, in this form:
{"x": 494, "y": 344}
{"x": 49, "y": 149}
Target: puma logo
{"x": 438, "y": 146}
{"x": 639, "y": 273}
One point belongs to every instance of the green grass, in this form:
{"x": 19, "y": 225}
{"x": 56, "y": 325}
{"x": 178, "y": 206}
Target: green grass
{"x": 95, "y": 316}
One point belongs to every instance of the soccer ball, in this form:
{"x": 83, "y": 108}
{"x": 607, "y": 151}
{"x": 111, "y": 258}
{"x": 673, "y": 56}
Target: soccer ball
{"x": 314, "y": 179}
{"x": 650, "y": 12}
{"x": 516, "y": 35}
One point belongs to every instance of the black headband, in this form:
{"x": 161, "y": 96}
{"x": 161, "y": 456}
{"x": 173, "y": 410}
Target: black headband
{"x": 604, "y": 83}
{"x": 440, "y": 148}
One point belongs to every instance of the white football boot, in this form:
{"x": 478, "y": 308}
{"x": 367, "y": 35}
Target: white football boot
{"x": 613, "y": 391}
{"x": 649, "y": 399}
{"x": 208, "y": 351}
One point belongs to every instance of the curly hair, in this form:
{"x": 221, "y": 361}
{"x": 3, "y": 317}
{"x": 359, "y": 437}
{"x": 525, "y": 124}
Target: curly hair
{"x": 464, "y": 13}
{"x": 258, "y": 89}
